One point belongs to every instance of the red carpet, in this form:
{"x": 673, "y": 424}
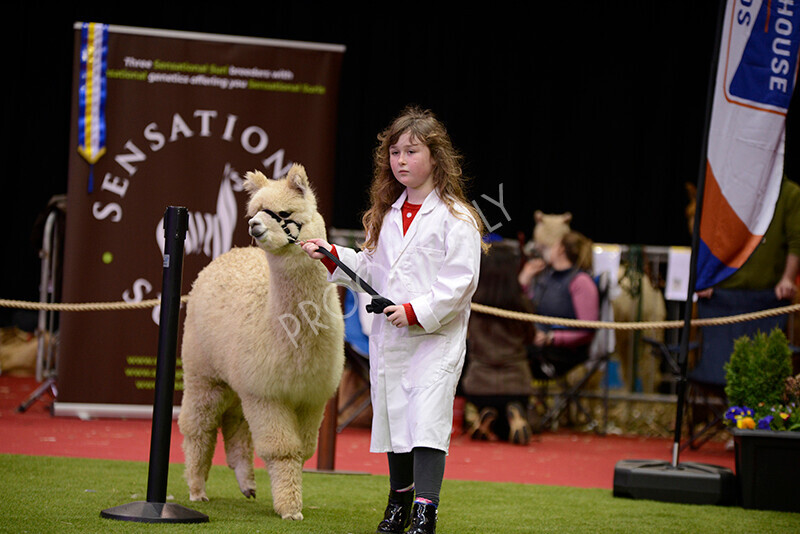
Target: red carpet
{"x": 562, "y": 458}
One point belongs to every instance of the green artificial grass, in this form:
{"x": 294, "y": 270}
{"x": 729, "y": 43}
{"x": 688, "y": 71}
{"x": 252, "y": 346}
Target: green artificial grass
{"x": 66, "y": 495}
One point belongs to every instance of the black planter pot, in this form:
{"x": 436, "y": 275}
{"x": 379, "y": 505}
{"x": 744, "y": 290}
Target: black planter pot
{"x": 768, "y": 469}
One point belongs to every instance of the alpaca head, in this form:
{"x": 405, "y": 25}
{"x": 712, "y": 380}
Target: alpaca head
{"x": 550, "y": 227}
{"x": 282, "y": 211}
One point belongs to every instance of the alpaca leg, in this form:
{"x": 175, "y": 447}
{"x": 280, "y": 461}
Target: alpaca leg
{"x": 239, "y": 448}
{"x": 286, "y": 481}
{"x": 198, "y": 422}
{"x": 274, "y": 430}
{"x": 309, "y": 419}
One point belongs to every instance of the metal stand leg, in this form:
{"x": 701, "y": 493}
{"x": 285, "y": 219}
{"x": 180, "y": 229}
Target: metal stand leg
{"x": 49, "y": 384}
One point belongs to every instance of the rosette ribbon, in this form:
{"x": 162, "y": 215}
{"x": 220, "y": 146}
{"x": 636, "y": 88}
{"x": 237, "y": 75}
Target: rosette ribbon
{"x": 92, "y": 95}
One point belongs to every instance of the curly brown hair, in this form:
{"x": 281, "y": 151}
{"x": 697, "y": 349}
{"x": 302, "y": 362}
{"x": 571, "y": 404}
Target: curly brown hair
{"x": 448, "y": 179}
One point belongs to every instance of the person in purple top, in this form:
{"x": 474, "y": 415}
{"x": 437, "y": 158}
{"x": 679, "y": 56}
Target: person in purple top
{"x": 558, "y": 288}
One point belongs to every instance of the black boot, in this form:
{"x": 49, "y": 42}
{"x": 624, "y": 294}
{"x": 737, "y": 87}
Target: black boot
{"x": 423, "y": 519}
{"x": 397, "y": 514}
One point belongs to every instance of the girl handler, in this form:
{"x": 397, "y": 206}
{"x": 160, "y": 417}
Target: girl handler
{"x": 422, "y": 251}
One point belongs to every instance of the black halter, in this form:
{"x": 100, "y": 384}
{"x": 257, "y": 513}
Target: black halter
{"x": 285, "y": 222}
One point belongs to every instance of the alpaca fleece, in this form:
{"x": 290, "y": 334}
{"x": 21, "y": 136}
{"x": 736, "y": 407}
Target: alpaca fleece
{"x": 263, "y": 348}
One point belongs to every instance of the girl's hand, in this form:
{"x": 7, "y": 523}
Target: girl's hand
{"x": 310, "y": 247}
{"x": 396, "y": 315}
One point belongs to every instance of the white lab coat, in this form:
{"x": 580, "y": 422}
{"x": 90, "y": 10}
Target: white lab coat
{"x": 414, "y": 371}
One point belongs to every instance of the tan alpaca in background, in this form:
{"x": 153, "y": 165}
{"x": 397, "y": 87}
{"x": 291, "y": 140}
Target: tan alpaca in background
{"x": 263, "y": 348}
{"x": 549, "y": 229}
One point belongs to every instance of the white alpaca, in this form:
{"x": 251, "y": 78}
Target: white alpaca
{"x": 263, "y": 348}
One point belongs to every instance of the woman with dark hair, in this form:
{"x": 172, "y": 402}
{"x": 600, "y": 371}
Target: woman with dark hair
{"x": 497, "y": 378}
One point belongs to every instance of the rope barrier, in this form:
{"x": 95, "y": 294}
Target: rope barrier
{"x": 575, "y": 323}
{"x": 90, "y": 306}
{"x": 479, "y": 308}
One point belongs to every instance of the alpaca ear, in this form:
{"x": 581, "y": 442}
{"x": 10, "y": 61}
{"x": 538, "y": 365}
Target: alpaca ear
{"x": 254, "y": 181}
{"x": 297, "y": 178}
{"x": 538, "y": 215}
{"x": 567, "y": 217}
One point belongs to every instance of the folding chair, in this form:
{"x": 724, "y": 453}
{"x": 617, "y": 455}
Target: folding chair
{"x": 569, "y": 399}
{"x": 47, "y": 335}
{"x": 706, "y": 399}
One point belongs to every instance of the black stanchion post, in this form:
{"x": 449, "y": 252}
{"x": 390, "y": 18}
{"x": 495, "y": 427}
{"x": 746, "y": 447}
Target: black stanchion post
{"x": 156, "y": 509}
{"x": 175, "y": 224}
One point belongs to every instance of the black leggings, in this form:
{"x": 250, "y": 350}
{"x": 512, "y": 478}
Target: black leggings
{"x": 423, "y": 467}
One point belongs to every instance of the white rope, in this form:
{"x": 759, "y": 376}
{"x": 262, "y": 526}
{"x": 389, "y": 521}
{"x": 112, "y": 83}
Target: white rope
{"x": 479, "y": 308}
{"x": 575, "y": 323}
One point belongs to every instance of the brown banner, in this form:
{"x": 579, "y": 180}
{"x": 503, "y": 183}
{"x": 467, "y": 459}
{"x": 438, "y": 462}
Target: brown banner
{"x": 185, "y": 116}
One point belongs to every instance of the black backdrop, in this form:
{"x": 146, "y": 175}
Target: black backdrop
{"x": 592, "y": 107}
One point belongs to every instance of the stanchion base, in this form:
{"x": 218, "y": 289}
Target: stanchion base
{"x": 154, "y": 512}
{"x": 689, "y": 482}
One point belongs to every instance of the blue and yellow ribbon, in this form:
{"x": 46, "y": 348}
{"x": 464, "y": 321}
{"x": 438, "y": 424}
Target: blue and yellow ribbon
{"x": 92, "y": 94}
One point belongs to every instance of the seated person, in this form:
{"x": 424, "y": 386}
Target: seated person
{"x": 557, "y": 287}
{"x": 775, "y": 263}
{"x": 768, "y": 279}
{"x": 497, "y": 378}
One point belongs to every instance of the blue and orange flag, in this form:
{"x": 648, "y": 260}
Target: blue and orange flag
{"x": 92, "y": 95}
{"x": 756, "y": 75}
